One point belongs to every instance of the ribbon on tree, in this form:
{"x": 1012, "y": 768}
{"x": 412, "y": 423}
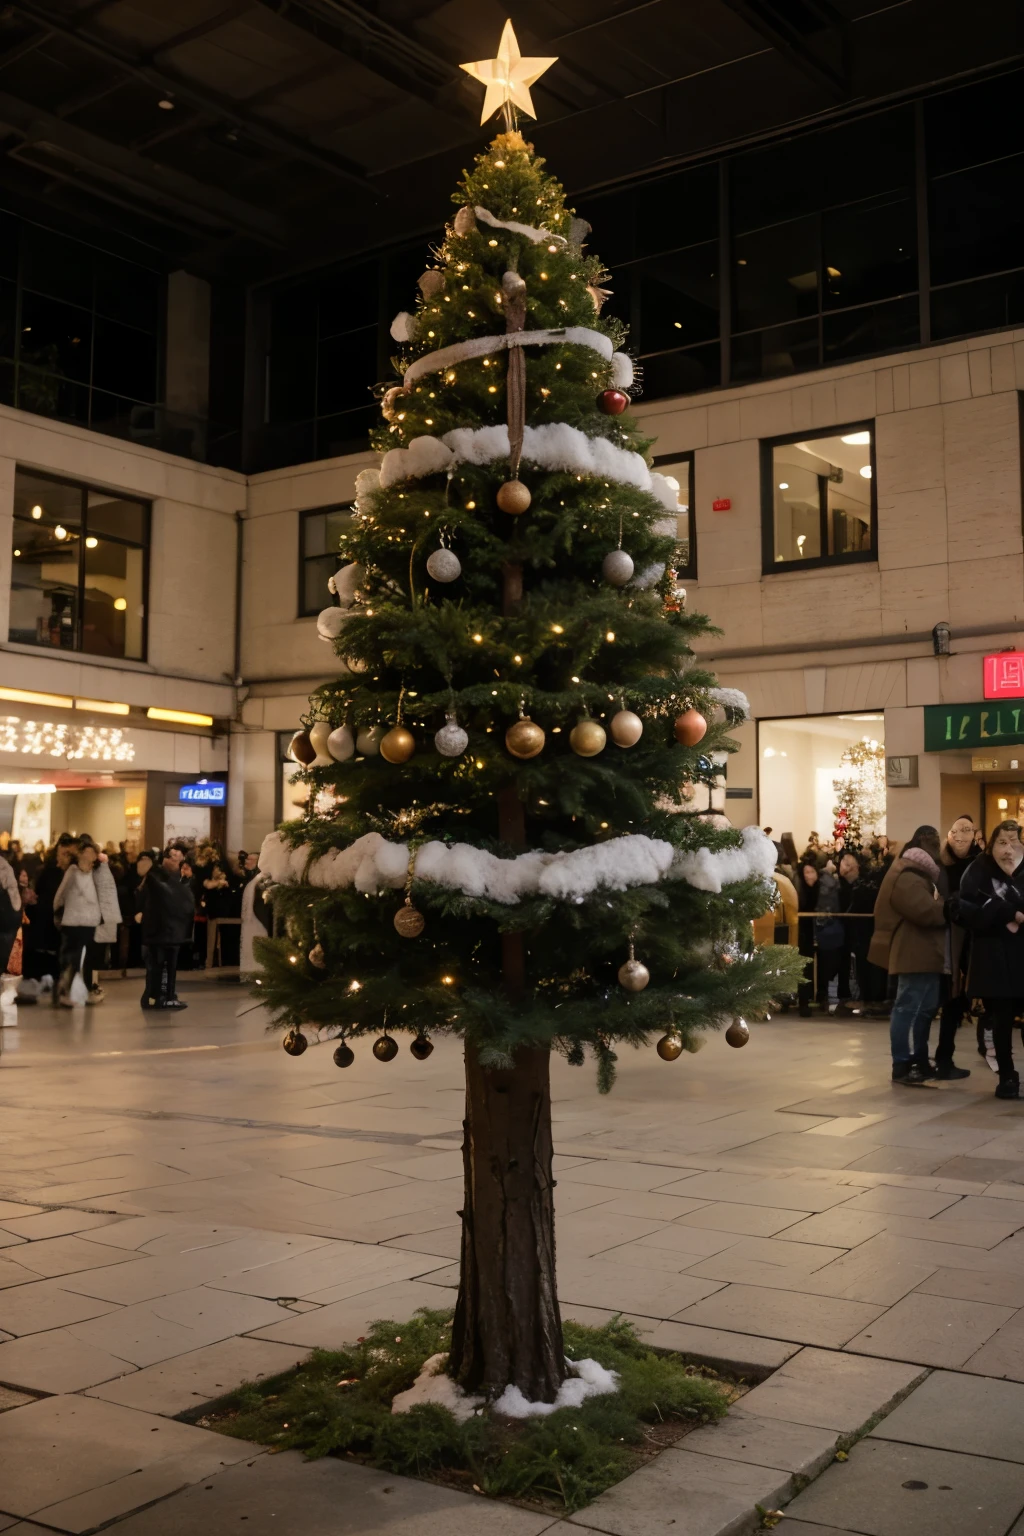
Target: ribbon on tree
{"x": 514, "y": 289}
{"x": 481, "y": 346}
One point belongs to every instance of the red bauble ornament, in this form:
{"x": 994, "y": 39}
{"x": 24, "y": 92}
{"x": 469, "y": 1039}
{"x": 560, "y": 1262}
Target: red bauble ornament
{"x": 612, "y": 401}
{"x": 690, "y": 727}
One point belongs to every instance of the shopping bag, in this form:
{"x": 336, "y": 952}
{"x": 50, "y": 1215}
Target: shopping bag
{"x": 79, "y": 992}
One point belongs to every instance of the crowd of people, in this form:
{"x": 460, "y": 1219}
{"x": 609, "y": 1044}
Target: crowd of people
{"x": 933, "y": 931}
{"x": 74, "y": 908}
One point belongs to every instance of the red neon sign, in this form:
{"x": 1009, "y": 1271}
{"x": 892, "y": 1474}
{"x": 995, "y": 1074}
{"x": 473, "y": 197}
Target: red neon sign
{"x": 1004, "y": 675}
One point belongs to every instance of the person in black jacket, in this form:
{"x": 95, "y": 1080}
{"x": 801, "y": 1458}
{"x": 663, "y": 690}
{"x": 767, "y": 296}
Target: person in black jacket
{"x": 959, "y": 852}
{"x": 990, "y": 905}
{"x": 41, "y": 953}
{"x": 168, "y": 910}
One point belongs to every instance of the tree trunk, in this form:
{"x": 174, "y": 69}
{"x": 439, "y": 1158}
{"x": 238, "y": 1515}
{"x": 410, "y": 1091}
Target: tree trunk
{"x": 507, "y": 1326}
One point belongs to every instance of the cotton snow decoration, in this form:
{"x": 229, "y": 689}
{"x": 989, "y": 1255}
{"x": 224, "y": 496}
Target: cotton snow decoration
{"x": 622, "y": 370}
{"x": 345, "y": 583}
{"x": 367, "y": 481}
{"x": 403, "y": 326}
{"x": 667, "y": 491}
{"x": 553, "y": 446}
{"x": 424, "y": 456}
{"x": 433, "y": 1386}
{"x": 732, "y": 698}
{"x": 372, "y": 864}
{"x": 329, "y": 623}
{"x": 589, "y": 1379}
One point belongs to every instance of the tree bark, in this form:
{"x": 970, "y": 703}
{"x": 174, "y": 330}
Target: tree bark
{"x": 507, "y": 1325}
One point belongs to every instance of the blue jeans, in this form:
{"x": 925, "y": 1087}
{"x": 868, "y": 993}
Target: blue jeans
{"x": 918, "y": 994}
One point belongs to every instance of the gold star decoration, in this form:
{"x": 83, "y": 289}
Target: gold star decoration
{"x": 508, "y": 77}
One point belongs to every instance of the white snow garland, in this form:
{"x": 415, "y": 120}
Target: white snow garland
{"x": 588, "y": 1379}
{"x": 482, "y": 346}
{"x": 372, "y": 864}
{"x": 732, "y": 698}
{"x": 403, "y": 326}
{"x": 622, "y": 370}
{"x": 531, "y": 233}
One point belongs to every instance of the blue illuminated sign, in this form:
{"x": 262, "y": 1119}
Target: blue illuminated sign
{"x": 202, "y": 794}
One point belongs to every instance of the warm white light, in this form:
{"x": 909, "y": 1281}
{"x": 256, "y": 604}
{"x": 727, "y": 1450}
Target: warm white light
{"x": 768, "y": 752}
{"x": 103, "y": 706}
{"x": 783, "y": 485}
{"x": 28, "y": 789}
{"x": 856, "y": 439}
{"x": 120, "y": 603}
{"x": 179, "y": 716}
{"x": 801, "y": 539}
{"x": 60, "y": 532}
{"x": 91, "y": 543}
{"x": 37, "y": 512}
{"x": 24, "y": 696}
{"x": 866, "y": 471}
{"x": 17, "y": 552}
{"x": 1003, "y": 804}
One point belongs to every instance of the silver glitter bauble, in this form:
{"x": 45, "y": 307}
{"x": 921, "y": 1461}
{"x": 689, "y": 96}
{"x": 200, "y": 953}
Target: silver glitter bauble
{"x": 341, "y": 744}
{"x": 451, "y": 740}
{"x": 634, "y": 976}
{"x": 617, "y": 567}
{"x": 444, "y": 565}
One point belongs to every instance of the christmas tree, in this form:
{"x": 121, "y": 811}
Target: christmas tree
{"x": 501, "y": 844}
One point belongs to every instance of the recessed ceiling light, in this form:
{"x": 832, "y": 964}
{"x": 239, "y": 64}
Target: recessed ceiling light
{"x": 783, "y": 485}
{"x": 856, "y": 439}
{"x": 91, "y": 543}
{"x": 167, "y": 103}
{"x": 865, "y": 470}
{"x": 37, "y": 512}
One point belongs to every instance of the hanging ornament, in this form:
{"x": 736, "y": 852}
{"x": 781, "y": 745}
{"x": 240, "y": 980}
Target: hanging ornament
{"x": 612, "y": 401}
{"x": 525, "y": 739}
{"x": 738, "y": 1033}
{"x": 599, "y": 295}
{"x": 409, "y": 922}
{"x": 319, "y": 736}
{"x": 317, "y": 956}
{"x": 588, "y": 738}
{"x": 369, "y": 738}
{"x": 341, "y": 744}
{"x": 633, "y": 975}
{"x": 690, "y": 727}
{"x": 670, "y": 1047}
{"x": 384, "y": 1048}
{"x": 394, "y": 402}
{"x": 330, "y": 622}
{"x": 444, "y": 565}
{"x": 513, "y": 285}
{"x": 398, "y": 745}
{"x": 431, "y": 283}
{"x": 344, "y": 1055}
{"x": 694, "y": 1043}
{"x": 464, "y": 221}
{"x": 617, "y": 567}
{"x": 301, "y": 750}
{"x": 451, "y": 740}
{"x": 513, "y": 497}
{"x": 295, "y": 1042}
{"x": 421, "y": 1047}
{"x": 625, "y": 728}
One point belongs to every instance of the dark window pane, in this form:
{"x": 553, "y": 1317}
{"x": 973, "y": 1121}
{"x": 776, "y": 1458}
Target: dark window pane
{"x": 140, "y": 423}
{"x": 293, "y": 356}
{"x": 124, "y": 361}
{"x": 775, "y": 274}
{"x": 977, "y": 221}
{"x": 830, "y": 475}
{"x": 349, "y": 300}
{"x": 55, "y": 337}
{"x": 128, "y": 292}
{"x": 346, "y": 433}
{"x": 403, "y": 268}
{"x": 970, "y": 125}
{"x": 620, "y": 288}
{"x": 315, "y": 575}
{"x": 8, "y": 246}
{"x": 876, "y": 328}
{"x": 285, "y": 443}
{"x": 823, "y": 170}
{"x": 869, "y": 251}
{"x": 613, "y": 218}
{"x": 681, "y": 373}
{"x": 56, "y": 266}
{"x": 987, "y": 305}
{"x": 783, "y": 349}
{"x": 678, "y": 298}
{"x": 46, "y": 549}
{"x": 7, "y": 376}
{"x": 49, "y": 395}
{"x": 322, "y": 531}
{"x": 675, "y": 211}
{"x": 117, "y": 518}
{"x": 112, "y": 611}
{"x": 681, "y": 473}
{"x": 47, "y": 502}
{"x": 8, "y": 318}
{"x": 346, "y": 370}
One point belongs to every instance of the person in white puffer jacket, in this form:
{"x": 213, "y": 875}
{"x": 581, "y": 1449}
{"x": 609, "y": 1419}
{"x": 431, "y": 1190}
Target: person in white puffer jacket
{"x": 10, "y": 912}
{"x": 87, "y": 902}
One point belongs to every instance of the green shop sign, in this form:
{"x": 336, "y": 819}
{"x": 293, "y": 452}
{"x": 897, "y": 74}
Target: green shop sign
{"x": 948, "y": 726}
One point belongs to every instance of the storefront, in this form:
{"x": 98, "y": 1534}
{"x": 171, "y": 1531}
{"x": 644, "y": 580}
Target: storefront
{"x": 808, "y": 766}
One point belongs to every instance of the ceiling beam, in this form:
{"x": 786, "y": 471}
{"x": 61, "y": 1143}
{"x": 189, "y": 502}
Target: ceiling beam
{"x": 166, "y": 79}
{"x": 202, "y": 29}
{"x": 770, "y": 21}
{"x": 54, "y": 147}
{"x": 27, "y": 45}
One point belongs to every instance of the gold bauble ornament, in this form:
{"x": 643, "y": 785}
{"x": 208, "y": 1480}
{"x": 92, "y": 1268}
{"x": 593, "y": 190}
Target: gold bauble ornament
{"x": 421, "y": 1047}
{"x": 737, "y": 1034}
{"x": 588, "y": 738}
{"x": 385, "y": 1049}
{"x": 670, "y": 1047}
{"x": 633, "y": 975}
{"x": 625, "y": 728}
{"x": 525, "y": 738}
{"x": 393, "y": 402}
{"x": 409, "y": 922}
{"x": 690, "y": 728}
{"x": 398, "y": 745}
{"x": 317, "y": 957}
{"x": 513, "y": 497}
{"x": 295, "y": 1042}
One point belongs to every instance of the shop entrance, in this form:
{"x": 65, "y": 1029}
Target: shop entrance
{"x": 810, "y": 764}
{"x": 109, "y": 807}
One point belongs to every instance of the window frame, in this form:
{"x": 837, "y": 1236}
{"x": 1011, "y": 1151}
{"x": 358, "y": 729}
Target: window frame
{"x": 304, "y": 559}
{"x": 769, "y": 565}
{"x": 689, "y": 571}
{"x": 84, "y": 487}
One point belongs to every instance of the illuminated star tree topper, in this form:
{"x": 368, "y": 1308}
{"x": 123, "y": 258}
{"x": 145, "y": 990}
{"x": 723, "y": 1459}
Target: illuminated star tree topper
{"x": 508, "y": 79}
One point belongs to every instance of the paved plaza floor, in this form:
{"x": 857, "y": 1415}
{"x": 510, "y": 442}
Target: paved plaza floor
{"x": 183, "y": 1207}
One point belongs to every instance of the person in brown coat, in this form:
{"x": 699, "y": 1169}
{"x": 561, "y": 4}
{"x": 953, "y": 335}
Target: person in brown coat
{"x": 911, "y": 941}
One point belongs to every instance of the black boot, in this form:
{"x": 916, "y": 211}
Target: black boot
{"x": 1009, "y": 1086}
{"x": 946, "y": 1072}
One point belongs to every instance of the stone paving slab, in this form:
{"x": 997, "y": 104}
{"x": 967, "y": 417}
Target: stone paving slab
{"x": 56, "y": 1361}
{"x": 688, "y": 1494}
{"x": 9, "y": 1399}
{"x": 188, "y": 1381}
{"x": 783, "y": 1314}
{"x": 932, "y": 1330}
{"x": 738, "y": 1354}
{"x": 287, "y": 1496}
{"x": 1003, "y": 1354}
{"x": 831, "y": 1390}
{"x": 797, "y": 1448}
{"x": 879, "y": 1490}
{"x": 334, "y": 1326}
{"x": 111, "y": 1460}
{"x": 953, "y": 1412}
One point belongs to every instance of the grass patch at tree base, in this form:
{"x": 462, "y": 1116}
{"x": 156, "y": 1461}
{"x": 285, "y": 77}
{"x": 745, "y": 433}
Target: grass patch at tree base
{"x": 338, "y": 1402}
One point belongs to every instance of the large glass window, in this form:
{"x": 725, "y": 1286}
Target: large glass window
{"x": 320, "y": 532}
{"x": 818, "y": 498}
{"x": 678, "y": 470}
{"x": 79, "y": 568}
